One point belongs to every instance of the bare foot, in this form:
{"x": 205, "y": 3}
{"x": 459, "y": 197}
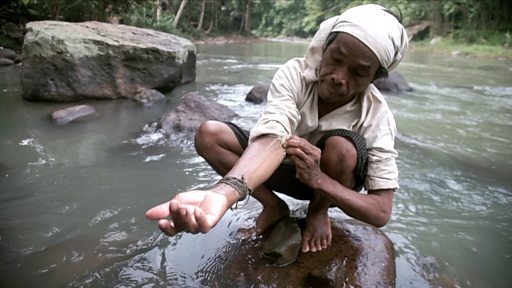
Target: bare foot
{"x": 270, "y": 215}
{"x": 317, "y": 234}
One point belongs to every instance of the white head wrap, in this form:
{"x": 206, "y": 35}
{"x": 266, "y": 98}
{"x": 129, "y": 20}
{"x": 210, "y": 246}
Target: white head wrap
{"x": 372, "y": 25}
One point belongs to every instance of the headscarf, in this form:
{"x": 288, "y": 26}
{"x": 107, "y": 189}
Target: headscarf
{"x": 371, "y": 24}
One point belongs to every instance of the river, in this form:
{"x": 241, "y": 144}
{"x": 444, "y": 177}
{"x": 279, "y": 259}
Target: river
{"x": 73, "y": 197}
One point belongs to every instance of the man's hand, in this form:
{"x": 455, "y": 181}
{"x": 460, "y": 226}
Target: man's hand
{"x": 306, "y": 158}
{"x": 193, "y": 211}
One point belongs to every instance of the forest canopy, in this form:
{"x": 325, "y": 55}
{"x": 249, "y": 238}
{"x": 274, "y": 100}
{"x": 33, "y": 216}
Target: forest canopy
{"x": 466, "y": 20}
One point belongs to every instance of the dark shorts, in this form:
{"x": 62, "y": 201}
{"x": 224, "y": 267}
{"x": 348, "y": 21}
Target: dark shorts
{"x": 283, "y": 180}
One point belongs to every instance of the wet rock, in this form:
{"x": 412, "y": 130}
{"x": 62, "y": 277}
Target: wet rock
{"x": 6, "y": 62}
{"x": 360, "y": 256}
{"x": 148, "y": 97}
{"x": 8, "y": 54}
{"x": 64, "y": 116}
{"x": 71, "y": 61}
{"x": 395, "y": 83}
{"x": 331, "y": 275}
{"x": 192, "y": 111}
{"x": 258, "y": 94}
{"x": 283, "y": 245}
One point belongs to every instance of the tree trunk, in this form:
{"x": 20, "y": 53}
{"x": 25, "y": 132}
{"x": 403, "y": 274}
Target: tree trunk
{"x": 247, "y": 17}
{"x": 212, "y": 18}
{"x": 158, "y": 11}
{"x": 436, "y": 17}
{"x": 245, "y": 26}
{"x": 201, "y": 17}
{"x": 179, "y": 13}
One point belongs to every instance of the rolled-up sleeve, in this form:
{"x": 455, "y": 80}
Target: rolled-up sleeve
{"x": 382, "y": 169}
{"x": 281, "y": 115}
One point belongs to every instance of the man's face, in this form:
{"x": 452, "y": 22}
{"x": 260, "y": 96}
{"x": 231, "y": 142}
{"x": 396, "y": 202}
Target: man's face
{"x": 347, "y": 68}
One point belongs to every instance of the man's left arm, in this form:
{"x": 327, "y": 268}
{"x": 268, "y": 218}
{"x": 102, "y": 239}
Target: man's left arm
{"x": 373, "y": 208}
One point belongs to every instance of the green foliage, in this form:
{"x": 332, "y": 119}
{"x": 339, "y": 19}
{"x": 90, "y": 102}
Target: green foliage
{"x": 466, "y": 21}
{"x": 144, "y": 15}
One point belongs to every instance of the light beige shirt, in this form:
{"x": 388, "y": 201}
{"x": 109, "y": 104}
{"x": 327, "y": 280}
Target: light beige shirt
{"x": 292, "y": 109}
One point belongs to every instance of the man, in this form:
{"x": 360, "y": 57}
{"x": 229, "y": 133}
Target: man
{"x": 326, "y": 132}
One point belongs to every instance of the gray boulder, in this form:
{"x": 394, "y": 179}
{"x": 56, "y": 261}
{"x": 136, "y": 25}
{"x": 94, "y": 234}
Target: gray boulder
{"x": 71, "y": 61}
{"x": 258, "y": 94}
{"x": 64, "y": 116}
{"x": 395, "y": 83}
{"x": 148, "y": 97}
{"x": 192, "y": 111}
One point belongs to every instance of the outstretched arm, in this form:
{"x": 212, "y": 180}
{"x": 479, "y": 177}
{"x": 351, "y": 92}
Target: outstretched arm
{"x": 200, "y": 210}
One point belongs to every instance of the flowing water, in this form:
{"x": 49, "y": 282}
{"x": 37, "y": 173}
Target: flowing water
{"x": 73, "y": 197}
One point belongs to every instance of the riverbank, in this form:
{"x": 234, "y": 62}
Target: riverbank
{"x": 438, "y": 45}
{"x": 448, "y": 46}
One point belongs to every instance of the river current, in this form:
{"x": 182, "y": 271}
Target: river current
{"x": 73, "y": 197}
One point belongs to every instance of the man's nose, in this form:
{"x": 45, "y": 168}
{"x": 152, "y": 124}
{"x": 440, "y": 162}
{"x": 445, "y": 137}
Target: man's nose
{"x": 339, "y": 76}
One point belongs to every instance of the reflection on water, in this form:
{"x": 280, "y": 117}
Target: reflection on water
{"x": 72, "y": 198}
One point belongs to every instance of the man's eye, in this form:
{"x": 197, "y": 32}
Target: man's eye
{"x": 337, "y": 60}
{"x": 361, "y": 73}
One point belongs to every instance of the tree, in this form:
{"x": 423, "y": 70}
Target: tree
{"x": 201, "y": 16}
{"x": 179, "y": 13}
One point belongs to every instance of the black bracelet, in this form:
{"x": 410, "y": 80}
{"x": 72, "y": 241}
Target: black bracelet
{"x": 239, "y": 185}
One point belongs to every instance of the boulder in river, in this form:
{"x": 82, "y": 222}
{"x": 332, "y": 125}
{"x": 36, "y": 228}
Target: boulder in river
{"x": 395, "y": 83}
{"x": 360, "y": 256}
{"x": 148, "y": 97}
{"x": 65, "y": 61}
{"x": 192, "y": 111}
{"x": 64, "y": 116}
{"x": 258, "y": 94}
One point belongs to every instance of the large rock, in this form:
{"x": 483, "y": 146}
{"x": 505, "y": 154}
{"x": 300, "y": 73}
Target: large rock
{"x": 360, "y": 256}
{"x": 395, "y": 83}
{"x": 258, "y": 94}
{"x": 192, "y": 111}
{"x": 71, "y": 61}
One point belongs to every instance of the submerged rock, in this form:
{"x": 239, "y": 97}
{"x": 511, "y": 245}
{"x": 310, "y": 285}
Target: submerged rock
{"x": 360, "y": 256}
{"x": 70, "y": 61}
{"x": 192, "y": 111}
{"x": 64, "y": 116}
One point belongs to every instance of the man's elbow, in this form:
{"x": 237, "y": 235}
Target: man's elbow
{"x": 381, "y": 219}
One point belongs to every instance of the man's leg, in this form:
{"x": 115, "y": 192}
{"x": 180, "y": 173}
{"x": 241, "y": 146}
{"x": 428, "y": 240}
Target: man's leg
{"x": 338, "y": 161}
{"x": 218, "y": 144}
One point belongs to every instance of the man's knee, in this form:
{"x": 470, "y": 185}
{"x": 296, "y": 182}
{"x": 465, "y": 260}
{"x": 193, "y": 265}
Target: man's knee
{"x": 207, "y": 135}
{"x": 212, "y": 135}
{"x": 339, "y": 158}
